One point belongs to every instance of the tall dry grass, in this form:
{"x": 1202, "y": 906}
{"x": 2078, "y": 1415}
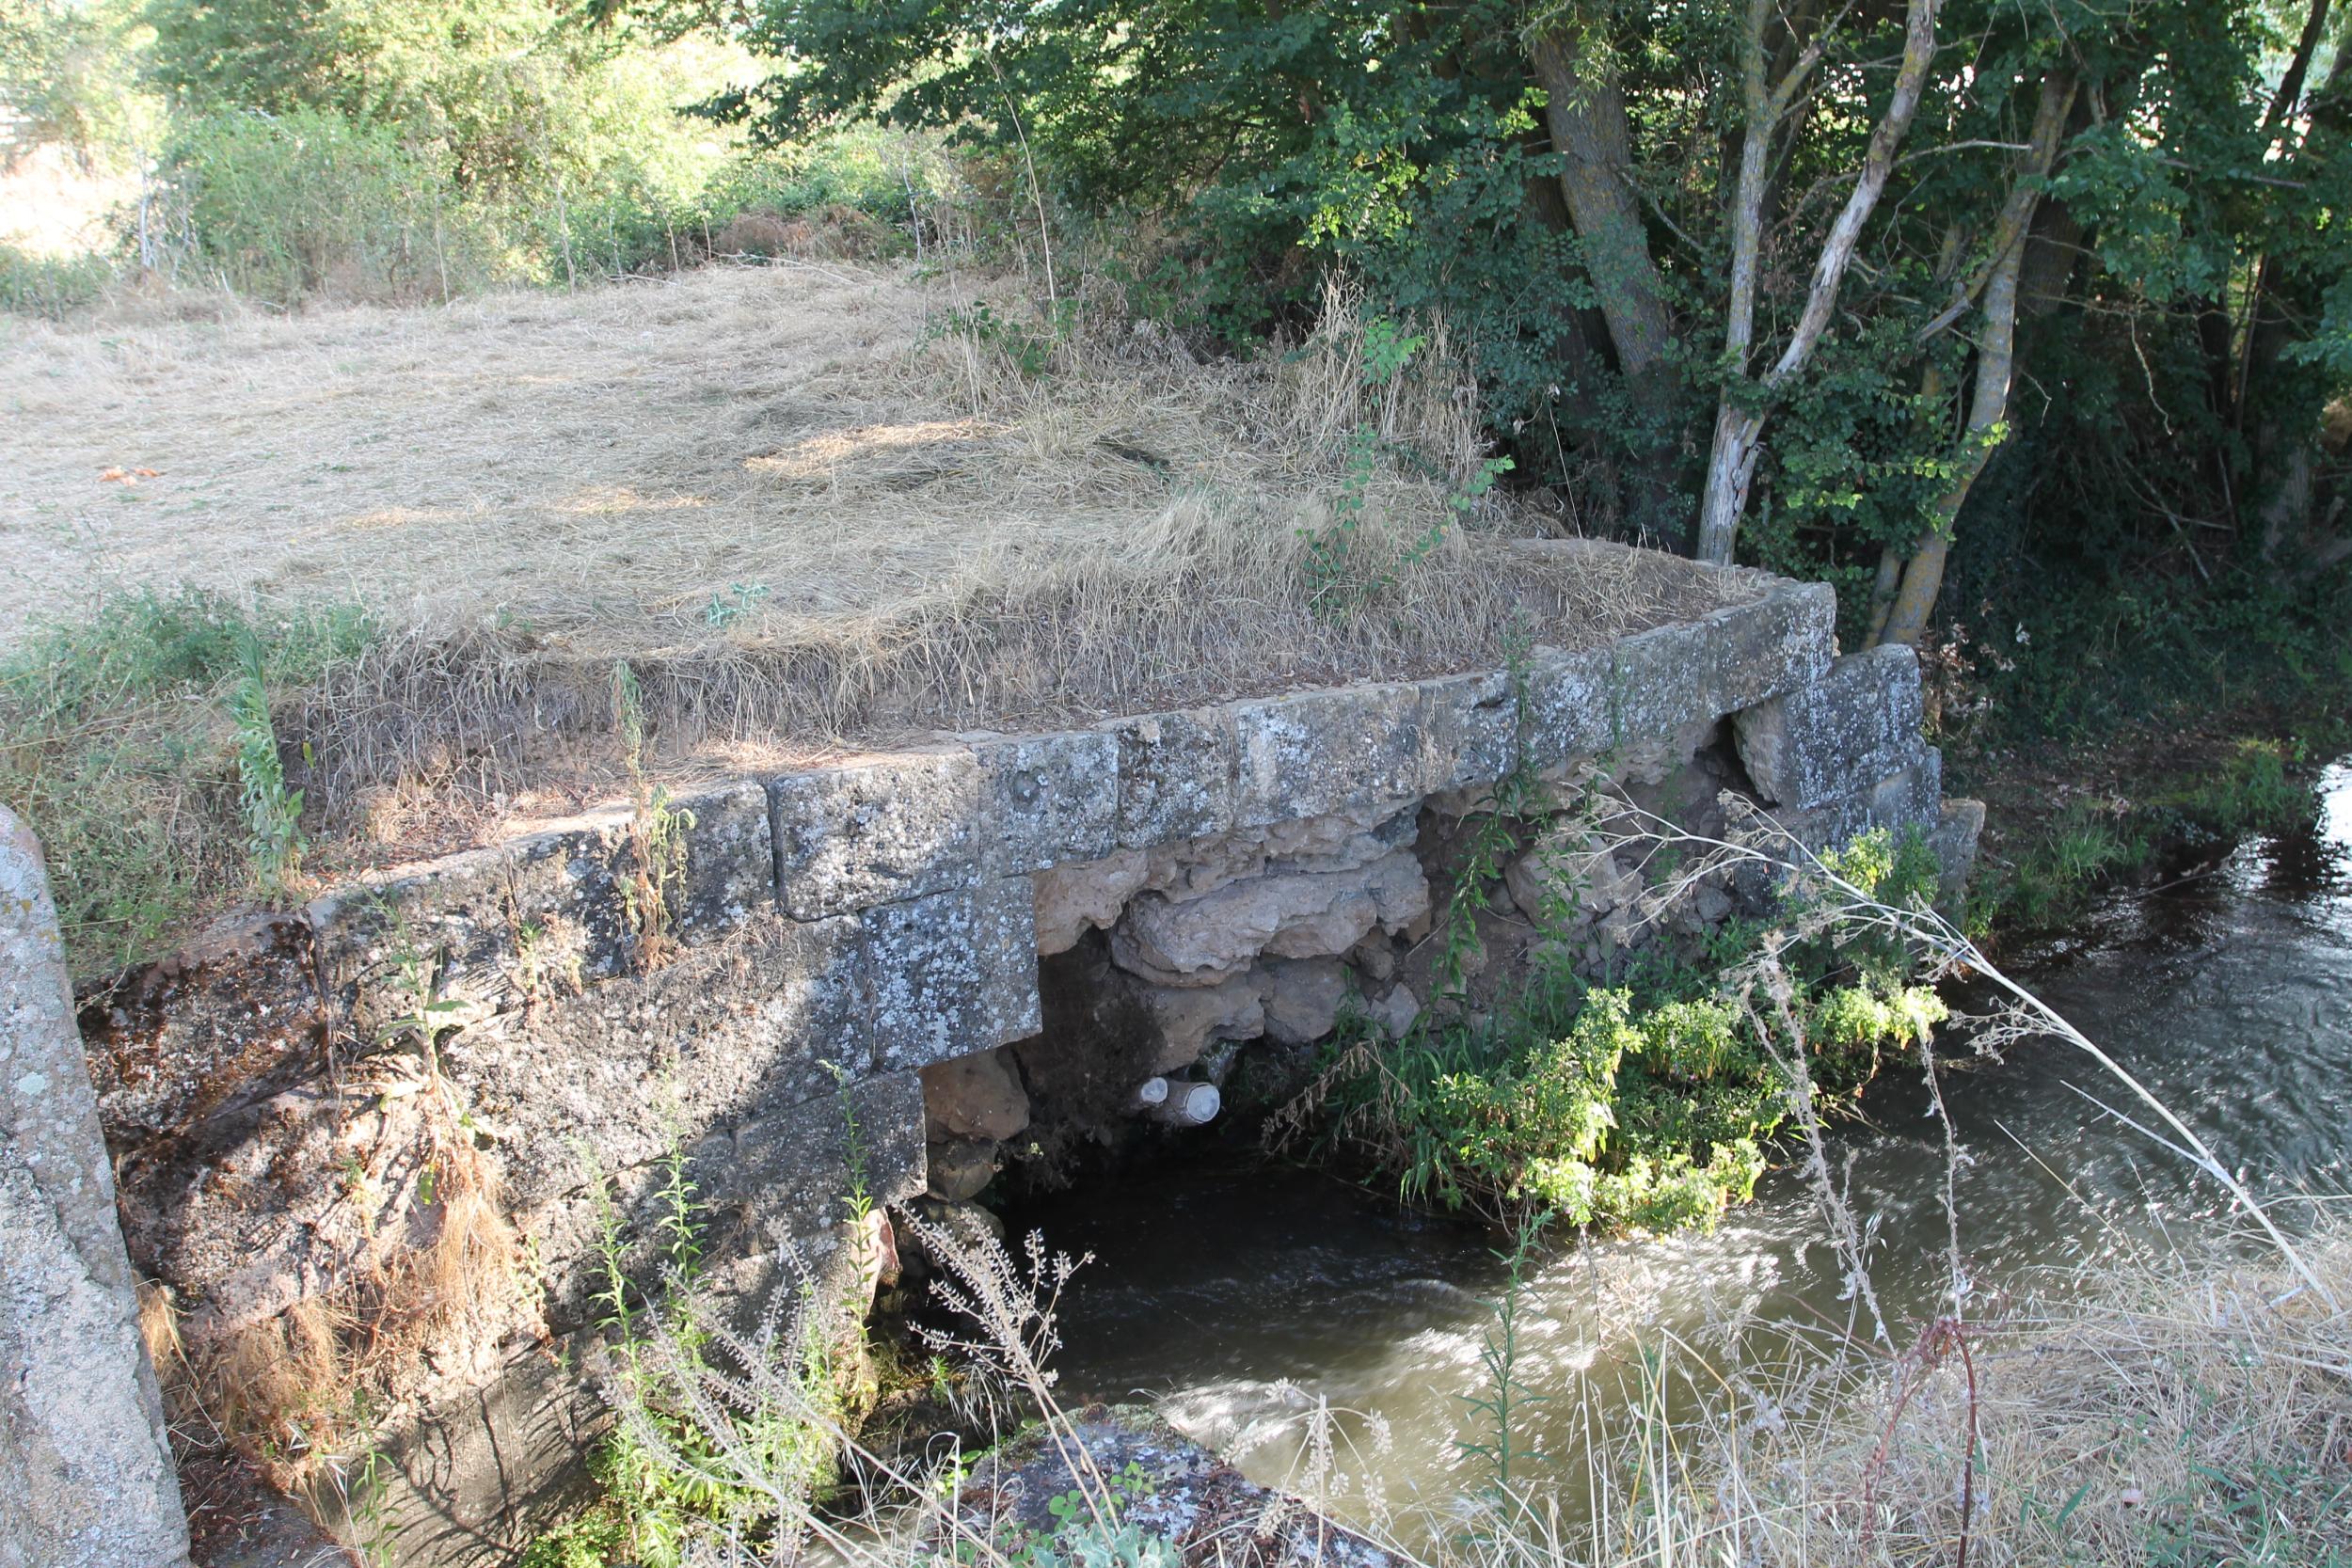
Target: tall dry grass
{"x": 2190, "y": 1407}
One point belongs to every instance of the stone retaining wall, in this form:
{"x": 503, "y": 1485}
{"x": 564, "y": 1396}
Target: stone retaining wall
{"x": 291, "y": 1103}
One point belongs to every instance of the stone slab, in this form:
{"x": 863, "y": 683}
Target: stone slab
{"x": 852, "y": 838}
{"x": 487, "y": 920}
{"x": 1910, "y": 797}
{"x": 1176, "y": 776}
{"x": 174, "y": 1038}
{"x": 719, "y": 1034}
{"x": 730, "y": 869}
{"x": 1047, "y": 799}
{"x": 1469, "y": 731}
{"x": 85, "y": 1475}
{"x": 1351, "y": 751}
{"x": 1859, "y": 723}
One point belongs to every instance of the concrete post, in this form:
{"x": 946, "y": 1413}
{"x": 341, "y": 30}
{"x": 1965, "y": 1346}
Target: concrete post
{"x": 85, "y": 1475}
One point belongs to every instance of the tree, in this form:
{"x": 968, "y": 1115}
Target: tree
{"x": 1739, "y": 417}
{"x": 1792, "y": 282}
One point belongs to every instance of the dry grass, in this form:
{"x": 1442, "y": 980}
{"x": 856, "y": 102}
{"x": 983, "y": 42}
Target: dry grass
{"x": 812, "y": 505}
{"x": 2172, "y": 1408}
{"x": 586, "y": 474}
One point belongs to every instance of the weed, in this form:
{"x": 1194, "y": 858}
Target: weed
{"x": 1341, "y": 579}
{"x": 740, "y": 600}
{"x": 1507, "y": 1393}
{"x": 656, "y": 832}
{"x": 859, "y": 1199}
{"x": 273, "y": 814}
{"x": 1029, "y": 350}
{"x": 541, "y": 962}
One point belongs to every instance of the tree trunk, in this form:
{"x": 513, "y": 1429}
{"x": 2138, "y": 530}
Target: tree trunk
{"x": 2285, "y": 440}
{"x": 1739, "y": 431}
{"x": 1586, "y": 116}
{"x": 1584, "y": 111}
{"x": 1987, "y": 412}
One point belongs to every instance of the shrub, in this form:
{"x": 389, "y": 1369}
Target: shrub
{"x": 279, "y": 206}
{"x": 1646, "y": 1102}
{"x": 52, "y": 286}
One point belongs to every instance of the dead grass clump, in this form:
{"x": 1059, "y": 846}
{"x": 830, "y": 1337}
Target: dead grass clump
{"x": 2156, "y": 1409}
{"x": 414, "y": 1254}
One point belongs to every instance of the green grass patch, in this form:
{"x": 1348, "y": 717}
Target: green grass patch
{"x": 2260, "y": 785}
{"x": 139, "y": 744}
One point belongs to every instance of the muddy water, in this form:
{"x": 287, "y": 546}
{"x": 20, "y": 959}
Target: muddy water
{"x": 1239, "y": 1296}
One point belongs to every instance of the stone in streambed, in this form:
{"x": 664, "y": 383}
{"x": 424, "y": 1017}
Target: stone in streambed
{"x": 978, "y": 1096}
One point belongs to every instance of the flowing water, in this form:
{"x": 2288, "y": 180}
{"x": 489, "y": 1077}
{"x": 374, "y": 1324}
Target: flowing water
{"x": 1238, "y": 1296}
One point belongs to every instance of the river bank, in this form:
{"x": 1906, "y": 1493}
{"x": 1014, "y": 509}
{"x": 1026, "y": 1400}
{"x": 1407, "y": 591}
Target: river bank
{"x": 2229, "y": 994}
{"x": 2139, "y": 801}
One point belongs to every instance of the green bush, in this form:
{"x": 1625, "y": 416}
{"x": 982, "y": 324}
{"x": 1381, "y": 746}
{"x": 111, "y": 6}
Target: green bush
{"x": 1643, "y": 1103}
{"x": 277, "y": 206}
{"x": 52, "y": 286}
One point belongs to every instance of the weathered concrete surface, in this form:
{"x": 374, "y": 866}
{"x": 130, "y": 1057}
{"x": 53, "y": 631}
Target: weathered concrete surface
{"x": 85, "y": 1475}
{"x": 484, "y": 1470}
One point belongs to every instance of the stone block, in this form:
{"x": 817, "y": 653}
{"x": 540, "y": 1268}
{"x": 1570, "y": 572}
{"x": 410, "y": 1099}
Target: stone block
{"x": 1176, "y": 773}
{"x": 1960, "y": 824}
{"x": 1662, "y": 680}
{"x": 1208, "y": 939}
{"x": 852, "y": 838}
{"x": 485, "y": 921}
{"x": 474, "y": 1482}
{"x": 1353, "y": 751}
{"x": 1859, "y": 723}
{"x": 1185, "y": 1020}
{"x": 793, "y": 1173}
{"x": 959, "y": 1169}
{"x": 1911, "y": 796}
{"x": 1772, "y": 645}
{"x": 477, "y": 1478}
{"x": 1570, "y": 714}
{"x": 952, "y": 974}
{"x": 1303, "y": 997}
{"x": 1047, "y": 799}
{"x": 1469, "y": 730}
{"x": 978, "y": 1095}
{"x": 730, "y": 870}
{"x": 1570, "y": 877}
{"x": 86, "y": 1476}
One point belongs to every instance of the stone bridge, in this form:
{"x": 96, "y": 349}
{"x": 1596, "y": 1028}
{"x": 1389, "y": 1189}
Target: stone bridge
{"x": 298, "y": 1107}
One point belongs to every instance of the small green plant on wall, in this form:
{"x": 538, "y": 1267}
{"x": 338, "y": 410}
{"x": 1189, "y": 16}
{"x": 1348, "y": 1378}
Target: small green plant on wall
{"x": 657, "y": 832}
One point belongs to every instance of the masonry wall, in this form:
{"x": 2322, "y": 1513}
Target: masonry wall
{"x": 290, "y": 1104}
